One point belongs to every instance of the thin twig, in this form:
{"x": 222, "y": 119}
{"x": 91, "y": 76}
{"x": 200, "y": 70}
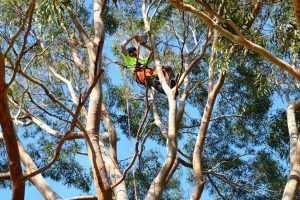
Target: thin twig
{"x": 74, "y": 121}
{"x": 18, "y": 61}
{"x": 225, "y": 116}
{"x": 216, "y": 188}
{"x": 28, "y": 14}
{"x": 136, "y": 149}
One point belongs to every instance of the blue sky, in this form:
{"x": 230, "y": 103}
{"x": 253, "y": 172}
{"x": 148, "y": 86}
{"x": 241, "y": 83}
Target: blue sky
{"x": 66, "y": 192}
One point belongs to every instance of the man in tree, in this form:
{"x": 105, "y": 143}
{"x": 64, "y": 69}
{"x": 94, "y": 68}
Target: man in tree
{"x": 142, "y": 73}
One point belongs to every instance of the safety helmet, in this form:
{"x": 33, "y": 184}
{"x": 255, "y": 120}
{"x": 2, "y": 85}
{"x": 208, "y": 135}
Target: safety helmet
{"x": 131, "y": 49}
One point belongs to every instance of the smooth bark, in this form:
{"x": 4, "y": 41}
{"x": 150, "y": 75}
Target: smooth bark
{"x": 111, "y": 162}
{"x": 160, "y": 181}
{"x": 10, "y": 138}
{"x": 199, "y": 146}
{"x": 103, "y": 189}
{"x": 292, "y": 184}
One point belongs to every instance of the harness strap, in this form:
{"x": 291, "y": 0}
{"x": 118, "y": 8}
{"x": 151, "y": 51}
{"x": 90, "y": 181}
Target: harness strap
{"x": 138, "y": 52}
{"x": 149, "y": 58}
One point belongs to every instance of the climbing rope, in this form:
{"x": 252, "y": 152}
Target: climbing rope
{"x": 129, "y": 131}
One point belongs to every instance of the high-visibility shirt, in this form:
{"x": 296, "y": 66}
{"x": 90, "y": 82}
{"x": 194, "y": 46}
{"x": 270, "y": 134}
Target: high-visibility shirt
{"x": 131, "y": 62}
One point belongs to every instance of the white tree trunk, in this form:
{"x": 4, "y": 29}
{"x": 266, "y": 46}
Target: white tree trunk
{"x": 159, "y": 183}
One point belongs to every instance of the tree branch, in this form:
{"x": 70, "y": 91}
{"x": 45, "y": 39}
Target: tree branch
{"x": 138, "y": 134}
{"x": 79, "y": 27}
{"x": 245, "y": 187}
{"x": 20, "y": 56}
{"x": 27, "y": 15}
{"x": 225, "y": 116}
{"x": 215, "y": 186}
{"x": 238, "y": 39}
{"x": 5, "y": 176}
{"x": 60, "y": 144}
{"x": 83, "y": 198}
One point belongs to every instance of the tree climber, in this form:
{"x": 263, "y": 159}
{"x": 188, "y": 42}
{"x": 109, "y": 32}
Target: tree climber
{"x": 142, "y": 73}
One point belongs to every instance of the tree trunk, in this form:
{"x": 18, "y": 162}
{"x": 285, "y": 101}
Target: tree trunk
{"x": 292, "y": 184}
{"x": 94, "y": 112}
{"x": 159, "y": 183}
{"x": 111, "y": 161}
{"x": 10, "y": 139}
{"x": 115, "y": 173}
{"x": 104, "y": 191}
{"x": 199, "y": 146}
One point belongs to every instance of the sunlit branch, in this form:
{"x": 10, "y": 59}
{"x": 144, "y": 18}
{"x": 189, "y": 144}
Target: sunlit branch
{"x": 172, "y": 170}
{"x": 179, "y": 38}
{"x": 197, "y": 59}
{"x": 183, "y": 98}
{"x": 47, "y": 92}
{"x": 207, "y": 8}
{"x": 35, "y": 56}
{"x": 5, "y": 176}
{"x": 197, "y": 43}
{"x": 197, "y": 85}
{"x": 79, "y": 27}
{"x": 24, "y": 124}
{"x": 157, "y": 120}
{"x": 21, "y": 103}
{"x": 45, "y": 110}
{"x": 225, "y": 116}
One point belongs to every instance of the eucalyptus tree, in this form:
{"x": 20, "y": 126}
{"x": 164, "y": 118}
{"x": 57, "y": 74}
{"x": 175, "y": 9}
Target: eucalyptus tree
{"x": 219, "y": 131}
{"x": 44, "y": 73}
{"x": 190, "y": 55}
{"x": 235, "y": 34}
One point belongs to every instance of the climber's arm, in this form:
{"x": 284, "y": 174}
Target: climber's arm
{"x": 124, "y": 44}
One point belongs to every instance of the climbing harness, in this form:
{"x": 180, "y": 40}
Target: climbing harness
{"x": 141, "y": 72}
{"x": 145, "y": 75}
